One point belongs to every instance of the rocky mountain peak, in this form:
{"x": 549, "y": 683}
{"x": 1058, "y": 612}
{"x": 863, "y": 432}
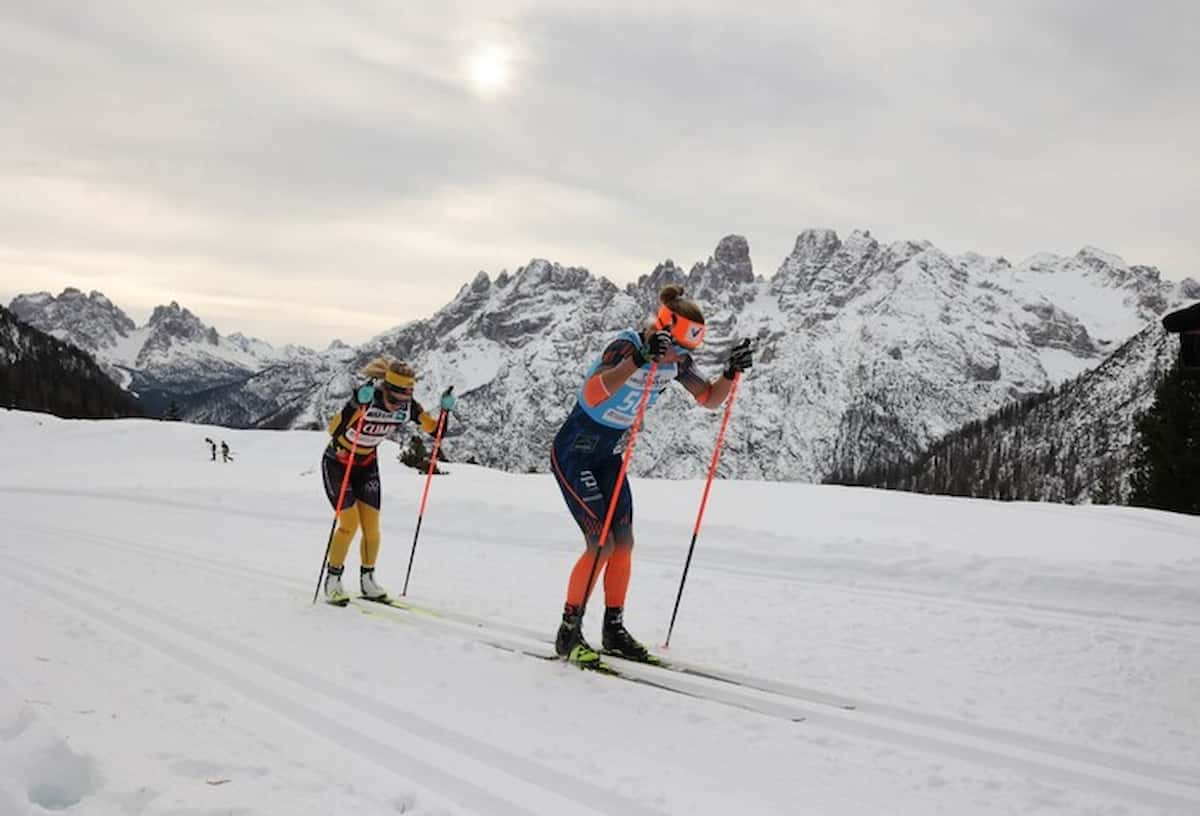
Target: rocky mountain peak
{"x": 513, "y": 311}
{"x": 645, "y": 289}
{"x": 733, "y": 256}
{"x": 541, "y": 275}
{"x": 1145, "y": 283}
{"x": 178, "y": 322}
{"x": 90, "y": 322}
{"x": 480, "y": 283}
{"x": 860, "y": 242}
{"x": 1140, "y": 287}
{"x": 822, "y": 273}
{"x": 899, "y": 253}
{"x": 814, "y": 248}
{"x": 722, "y": 277}
{"x": 172, "y": 324}
{"x": 1101, "y": 260}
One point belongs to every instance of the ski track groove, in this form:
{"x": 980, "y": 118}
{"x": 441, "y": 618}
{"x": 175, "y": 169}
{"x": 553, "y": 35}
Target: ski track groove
{"x": 1164, "y": 627}
{"x": 1164, "y": 786}
{"x": 923, "y": 719}
{"x": 879, "y": 713}
{"x": 690, "y": 686}
{"x": 471, "y": 623}
{"x": 560, "y": 789}
{"x": 1172, "y": 628}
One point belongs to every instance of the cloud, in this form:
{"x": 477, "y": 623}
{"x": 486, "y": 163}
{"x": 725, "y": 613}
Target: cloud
{"x": 239, "y": 151}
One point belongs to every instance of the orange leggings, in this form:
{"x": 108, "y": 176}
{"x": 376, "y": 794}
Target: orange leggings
{"x": 616, "y": 561}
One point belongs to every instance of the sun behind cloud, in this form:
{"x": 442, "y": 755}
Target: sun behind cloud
{"x": 489, "y": 69}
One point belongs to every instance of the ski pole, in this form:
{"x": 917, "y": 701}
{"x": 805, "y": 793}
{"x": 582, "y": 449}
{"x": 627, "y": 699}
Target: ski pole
{"x": 712, "y": 469}
{"x": 612, "y": 503}
{"x": 337, "y": 511}
{"x": 437, "y": 442}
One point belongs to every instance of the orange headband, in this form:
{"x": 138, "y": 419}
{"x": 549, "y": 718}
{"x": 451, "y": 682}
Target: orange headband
{"x": 684, "y": 331}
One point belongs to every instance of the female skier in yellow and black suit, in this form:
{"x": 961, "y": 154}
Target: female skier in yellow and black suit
{"x": 388, "y": 406}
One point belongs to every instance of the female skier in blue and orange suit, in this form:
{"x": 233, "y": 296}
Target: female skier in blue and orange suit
{"x": 586, "y": 467}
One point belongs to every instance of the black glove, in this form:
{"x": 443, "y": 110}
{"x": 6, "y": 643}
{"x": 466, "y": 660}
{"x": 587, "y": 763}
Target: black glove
{"x": 741, "y": 357}
{"x": 657, "y": 344}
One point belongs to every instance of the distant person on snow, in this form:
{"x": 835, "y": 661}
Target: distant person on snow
{"x": 213, "y": 446}
{"x": 225, "y": 457}
{"x": 388, "y": 403}
{"x": 586, "y": 466}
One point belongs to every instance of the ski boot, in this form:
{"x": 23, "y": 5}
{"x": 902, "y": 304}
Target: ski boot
{"x": 370, "y": 590}
{"x": 617, "y": 641}
{"x": 334, "y": 593}
{"x": 570, "y": 644}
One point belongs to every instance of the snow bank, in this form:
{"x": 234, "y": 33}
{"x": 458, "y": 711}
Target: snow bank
{"x": 39, "y": 771}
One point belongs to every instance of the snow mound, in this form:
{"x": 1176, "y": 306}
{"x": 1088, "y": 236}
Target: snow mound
{"x": 38, "y": 769}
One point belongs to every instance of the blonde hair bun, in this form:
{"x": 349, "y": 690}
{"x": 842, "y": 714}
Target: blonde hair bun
{"x": 378, "y": 368}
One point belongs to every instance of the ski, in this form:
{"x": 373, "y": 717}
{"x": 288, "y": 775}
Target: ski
{"x": 736, "y": 679}
{"x": 516, "y": 643}
{"x": 397, "y": 603}
{"x": 745, "y": 681}
{"x": 338, "y": 601}
{"x": 607, "y": 670}
{"x": 651, "y": 659}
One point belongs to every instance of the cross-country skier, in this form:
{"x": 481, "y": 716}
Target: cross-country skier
{"x": 586, "y": 467}
{"x": 212, "y": 445}
{"x": 225, "y": 457}
{"x": 387, "y": 399}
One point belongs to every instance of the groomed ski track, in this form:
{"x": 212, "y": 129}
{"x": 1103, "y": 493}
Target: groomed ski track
{"x": 447, "y": 759}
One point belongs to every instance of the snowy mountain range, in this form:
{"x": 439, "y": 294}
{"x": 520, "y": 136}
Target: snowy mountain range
{"x": 868, "y": 351}
{"x": 174, "y": 357}
{"x": 42, "y": 373}
{"x": 1072, "y": 444}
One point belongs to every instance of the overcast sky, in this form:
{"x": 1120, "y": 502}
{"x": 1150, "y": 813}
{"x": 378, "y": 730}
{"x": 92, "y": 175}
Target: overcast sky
{"x": 303, "y": 171}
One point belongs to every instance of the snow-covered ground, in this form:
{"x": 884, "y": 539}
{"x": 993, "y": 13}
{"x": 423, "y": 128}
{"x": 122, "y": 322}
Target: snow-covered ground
{"x": 159, "y": 654}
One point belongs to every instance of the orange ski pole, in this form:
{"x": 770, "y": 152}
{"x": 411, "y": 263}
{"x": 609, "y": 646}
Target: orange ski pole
{"x": 437, "y": 443}
{"x": 337, "y": 512}
{"x": 612, "y": 503}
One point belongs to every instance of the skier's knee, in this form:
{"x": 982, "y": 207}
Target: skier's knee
{"x": 623, "y": 538}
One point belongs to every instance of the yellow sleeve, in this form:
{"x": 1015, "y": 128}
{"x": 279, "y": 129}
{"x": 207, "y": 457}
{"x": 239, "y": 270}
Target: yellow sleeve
{"x": 428, "y": 423}
{"x": 340, "y": 421}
